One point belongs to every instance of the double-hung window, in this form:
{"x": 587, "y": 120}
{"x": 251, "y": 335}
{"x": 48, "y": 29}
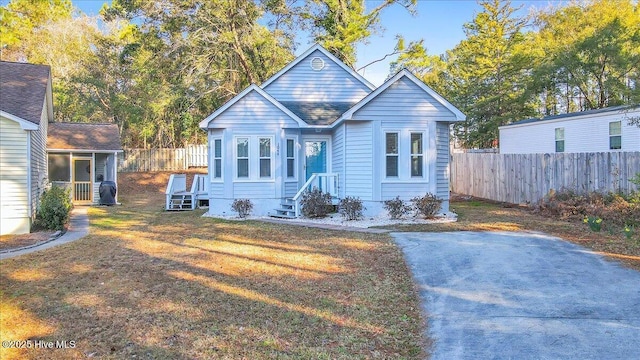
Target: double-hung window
{"x": 615, "y": 135}
{"x": 417, "y": 155}
{"x": 265, "y": 157}
{"x": 559, "y": 140}
{"x": 291, "y": 158}
{"x": 242, "y": 156}
{"x": 217, "y": 158}
{"x": 391, "y": 146}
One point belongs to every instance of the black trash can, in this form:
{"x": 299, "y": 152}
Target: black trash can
{"x": 107, "y": 193}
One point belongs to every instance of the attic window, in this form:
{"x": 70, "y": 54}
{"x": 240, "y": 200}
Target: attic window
{"x": 317, "y": 64}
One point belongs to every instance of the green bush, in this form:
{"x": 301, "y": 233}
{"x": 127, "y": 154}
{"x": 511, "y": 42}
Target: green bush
{"x": 427, "y": 206}
{"x": 242, "y": 206}
{"x": 396, "y": 208}
{"x": 315, "y": 203}
{"x": 55, "y": 207}
{"x": 351, "y": 208}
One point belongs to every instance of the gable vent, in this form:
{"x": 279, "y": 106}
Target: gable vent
{"x": 317, "y": 64}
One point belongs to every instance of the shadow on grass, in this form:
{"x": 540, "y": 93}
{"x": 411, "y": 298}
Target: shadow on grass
{"x": 151, "y": 284}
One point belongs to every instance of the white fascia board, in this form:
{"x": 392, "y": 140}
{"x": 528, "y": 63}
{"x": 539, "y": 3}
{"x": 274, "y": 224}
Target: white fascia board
{"x": 403, "y": 73}
{"x": 327, "y": 54}
{"x": 204, "y": 124}
{"x": 24, "y": 124}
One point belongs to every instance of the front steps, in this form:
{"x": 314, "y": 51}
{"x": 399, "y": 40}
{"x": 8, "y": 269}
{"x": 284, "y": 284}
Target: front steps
{"x": 286, "y": 210}
{"x": 181, "y": 201}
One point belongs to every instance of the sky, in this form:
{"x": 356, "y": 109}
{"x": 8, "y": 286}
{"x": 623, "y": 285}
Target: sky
{"x": 438, "y": 22}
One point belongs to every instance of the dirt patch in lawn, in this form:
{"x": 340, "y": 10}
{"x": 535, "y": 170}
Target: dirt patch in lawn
{"x": 8, "y": 242}
{"x": 483, "y": 215}
{"x": 152, "y": 284}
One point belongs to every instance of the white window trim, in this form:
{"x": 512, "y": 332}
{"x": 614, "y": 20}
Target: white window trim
{"x": 620, "y": 134}
{"x": 555, "y": 144}
{"x": 404, "y": 157}
{"x": 384, "y": 142}
{"x": 295, "y": 159}
{"x": 213, "y": 156}
{"x": 270, "y": 157}
{"x": 254, "y": 158}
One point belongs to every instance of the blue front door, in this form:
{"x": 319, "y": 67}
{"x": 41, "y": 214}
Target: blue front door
{"x": 315, "y": 152}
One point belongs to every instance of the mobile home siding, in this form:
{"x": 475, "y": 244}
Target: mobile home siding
{"x": 359, "y": 160}
{"x": 331, "y": 84}
{"x": 14, "y": 193}
{"x": 581, "y": 134}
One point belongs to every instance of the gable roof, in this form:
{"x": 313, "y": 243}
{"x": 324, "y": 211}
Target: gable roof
{"x": 23, "y": 90}
{"x": 403, "y": 73}
{"x": 304, "y": 55}
{"x": 204, "y": 124}
{"x": 83, "y": 136}
{"x": 577, "y": 114}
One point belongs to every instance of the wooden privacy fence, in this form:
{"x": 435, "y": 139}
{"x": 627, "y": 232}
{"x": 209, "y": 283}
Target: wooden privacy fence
{"x": 163, "y": 159}
{"x": 527, "y": 178}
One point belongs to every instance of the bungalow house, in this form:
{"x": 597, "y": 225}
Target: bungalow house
{"x": 318, "y": 123}
{"x": 26, "y": 108}
{"x": 81, "y": 156}
{"x": 600, "y": 130}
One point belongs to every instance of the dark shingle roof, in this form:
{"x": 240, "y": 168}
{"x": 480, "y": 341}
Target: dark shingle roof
{"x": 23, "y": 89}
{"x": 318, "y": 113}
{"x": 82, "y": 136}
{"x": 573, "y": 114}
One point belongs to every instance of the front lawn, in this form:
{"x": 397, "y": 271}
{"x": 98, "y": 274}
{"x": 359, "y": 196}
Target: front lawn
{"x": 150, "y": 284}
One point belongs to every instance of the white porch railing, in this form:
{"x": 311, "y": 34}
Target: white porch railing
{"x": 200, "y": 185}
{"x": 327, "y": 183}
{"x": 177, "y": 183}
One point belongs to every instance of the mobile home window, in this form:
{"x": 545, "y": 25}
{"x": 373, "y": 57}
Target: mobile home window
{"x": 217, "y": 158}
{"x": 242, "y": 155}
{"x": 416, "y": 155}
{"x": 291, "y": 159}
{"x": 391, "y": 140}
{"x": 265, "y": 157}
{"x": 559, "y": 139}
{"x": 615, "y": 135}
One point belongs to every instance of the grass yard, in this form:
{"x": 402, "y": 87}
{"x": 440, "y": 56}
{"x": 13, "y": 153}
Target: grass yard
{"x": 150, "y": 284}
{"x": 480, "y": 215}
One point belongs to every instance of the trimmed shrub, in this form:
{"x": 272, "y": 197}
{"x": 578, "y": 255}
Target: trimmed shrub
{"x": 315, "y": 203}
{"x": 243, "y": 207}
{"x": 396, "y": 208}
{"x": 55, "y": 207}
{"x": 427, "y": 206}
{"x": 351, "y": 208}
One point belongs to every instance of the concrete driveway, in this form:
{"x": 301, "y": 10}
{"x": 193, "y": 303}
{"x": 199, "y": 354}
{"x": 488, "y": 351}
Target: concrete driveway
{"x": 499, "y": 295}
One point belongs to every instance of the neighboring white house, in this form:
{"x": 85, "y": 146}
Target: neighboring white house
{"x": 319, "y": 123}
{"x": 599, "y": 130}
{"x": 26, "y": 108}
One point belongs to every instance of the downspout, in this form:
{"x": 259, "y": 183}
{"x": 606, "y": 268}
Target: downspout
{"x": 29, "y": 182}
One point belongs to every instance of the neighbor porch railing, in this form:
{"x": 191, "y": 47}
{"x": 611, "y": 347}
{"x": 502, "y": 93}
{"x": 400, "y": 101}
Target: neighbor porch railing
{"x": 177, "y": 183}
{"x": 326, "y": 182}
{"x": 200, "y": 186}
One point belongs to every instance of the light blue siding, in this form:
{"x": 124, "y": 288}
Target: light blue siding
{"x": 331, "y": 84}
{"x": 254, "y": 190}
{"x": 254, "y": 112}
{"x": 290, "y": 189}
{"x": 403, "y": 100}
{"x": 359, "y": 160}
{"x": 405, "y": 190}
{"x": 442, "y": 162}
{"x": 338, "y": 157}
{"x": 216, "y": 190}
